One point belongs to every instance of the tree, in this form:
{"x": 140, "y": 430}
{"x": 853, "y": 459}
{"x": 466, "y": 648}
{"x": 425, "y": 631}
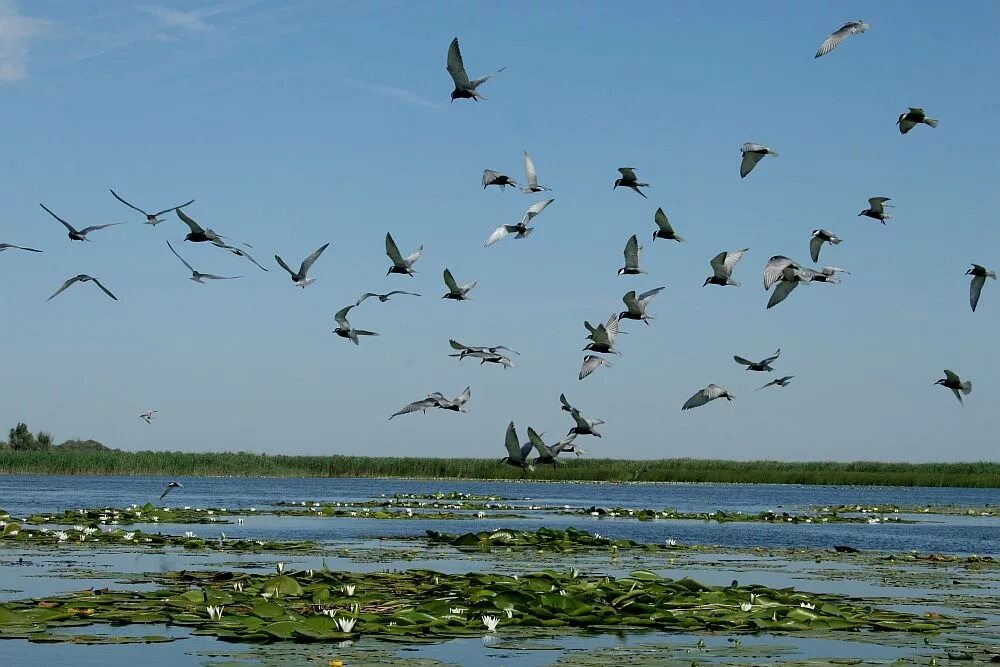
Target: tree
{"x": 43, "y": 440}
{"x": 21, "y": 438}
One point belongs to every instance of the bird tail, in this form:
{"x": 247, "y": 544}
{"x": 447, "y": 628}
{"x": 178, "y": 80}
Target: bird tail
{"x": 886, "y": 216}
{"x": 678, "y": 238}
{"x": 966, "y": 387}
{"x": 933, "y": 122}
{"x": 836, "y": 241}
{"x": 362, "y": 332}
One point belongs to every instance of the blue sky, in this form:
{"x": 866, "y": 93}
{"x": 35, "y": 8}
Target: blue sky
{"x": 297, "y": 124}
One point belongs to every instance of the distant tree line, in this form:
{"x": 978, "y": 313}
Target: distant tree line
{"x": 22, "y": 439}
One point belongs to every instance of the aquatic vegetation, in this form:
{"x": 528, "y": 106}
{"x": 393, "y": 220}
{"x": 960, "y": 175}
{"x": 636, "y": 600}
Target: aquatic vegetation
{"x": 136, "y": 538}
{"x": 954, "y": 510}
{"x": 721, "y": 516}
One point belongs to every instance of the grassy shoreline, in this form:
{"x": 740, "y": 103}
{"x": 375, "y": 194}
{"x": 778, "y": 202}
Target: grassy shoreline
{"x": 244, "y": 464}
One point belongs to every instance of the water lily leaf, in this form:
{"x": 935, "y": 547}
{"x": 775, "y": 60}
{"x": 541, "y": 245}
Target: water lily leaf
{"x": 284, "y": 586}
{"x": 645, "y": 575}
{"x": 268, "y": 609}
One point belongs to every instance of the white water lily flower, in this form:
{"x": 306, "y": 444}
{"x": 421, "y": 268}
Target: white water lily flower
{"x": 61, "y": 535}
{"x": 746, "y": 606}
{"x": 346, "y": 624}
{"x": 752, "y": 598}
{"x": 214, "y": 613}
{"x": 189, "y": 534}
{"x": 78, "y": 528}
{"x": 238, "y": 586}
{"x": 128, "y": 537}
{"x": 806, "y": 605}
{"x": 348, "y": 589}
{"x": 280, "y": 567}
{"x": 671, "y": 542}
{"x": 491, "y": 623}
{"x": 89, "y": 531}
{"x": 458, "y": 611}
{"x": 509, "y": 611}
{"x": 481, "y": 515}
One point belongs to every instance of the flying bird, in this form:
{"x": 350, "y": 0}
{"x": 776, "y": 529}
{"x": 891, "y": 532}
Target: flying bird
{"x": 590, "y": 364}
{"x": 636, "y": 305}
{"x": 151, "y": 218}
{"x": 979, "y": 275}
{"x": 779, "y": 382}
{"x": 456, "y": 404}
{"x": 583, "y": 425}
{"x": 752, "y": 154}
{"x": 788, "y": 273}
{"x": 709, "y": 393}
{"x": 422, "y": 405}
{"x": 464, "y": 88}
{"x": 8, "y": 246}
{"x": 913, "y": 117}
{"x": 491, "y": 177}
{"x": 344, "y": 328}
{"x": 82, "y": 278}
{"x": 876, "y": 209}
{"x": 148, "y": 416}
{"x": 603, "y": 336}
{"x": 485, "y": 358}
{"x": 629, "y": 180}
{"x": 383, "y": 297}
{"x": 838, "y": 36}
{"x": 722, "y": 268}
{"x": 663, "y": 228}
{"x": 197, "y": 233}
{"x": 762, "y": 365}
{"x": 549, "y": 454}
{"x": 517, "y": 454}
{"x": 472, "y": 348}
{"x": 632, "y": 250}
{"x": 819, "y": 237}
{"x": 81, "y": 234}
{"x": 521, "y": 229}
{"x": 529, "y": 169}
{"x": 953, "y": 382}
{"x": 198, "y": 276}
{"x": 299, "y": 277}
{"x": 170, "y": 487}
{"x": 456, "y": 292}
{"x": 242, "y": 253}
{"x": 400, "y": 264}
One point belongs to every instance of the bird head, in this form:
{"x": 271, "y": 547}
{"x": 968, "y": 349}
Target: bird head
{"x": 618, "y": 182}
{"x": 454, "y": 95}
{"x": 654, "y": 236}
{"x": 621, "y": 271}
{"x": 941, "y": 381}
{"x": 863, "y": 212}
{"x": 970, "y": 272}
{"x": 815, "y": 232}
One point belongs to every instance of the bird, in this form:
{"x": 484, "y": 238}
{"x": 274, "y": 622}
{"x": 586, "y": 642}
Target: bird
{"x": 839, "y": 35}
{"x": 517, "y": 454}
{"x": 148, "y": 416}
{"x": 344, "y": 328}
{"x": 663, "y": 228}
{"x": 491, "y": 177}
{"x": 170, "y": 487}
{"x": 602, "y": 337}
{"x": 549, "y": 454}
{"x": 422, "y": 405}
{"x": 709, "y": 393}
{"x": 151, "y": 218}
{"x": 521, "y": 229}
{"x": 82, "y": 278}
{"x": 788, "y": 273}
{"x": 953, "y": 382}
{"x": 529, "y": 169}
{"x": 828, "y": 274}
{"x": 590, "y": 364}
{"x": 632, "y": 250}
{"x": 8, "y": 246}
{"x": 75, "y": 234}
{"x": 819, "y": 237}
{"x": 485, "y": 357}
{"x": 876, "y": 209}
{"x": 399, "y": 263}
{"x": 629, "y": 180}
{"x": 464, "y": 88}
{"x": 913, "y": 117}
{"x": 780, "y": 382}
{"x": 583, "y": 425}
{"x": 456, "y": 404}
{"x": 197, "y": 233}
{"x": 752, "y": 154}
{"x": 198, "y": 276}
{"x": 242, "y": 253}
{"x": 472, "y": 348}
{"x": 979, "y": 275}
{"x": 299, "y": 278}
{"x": 762, "y": 365}
{"x": 636, "y": 305}
{"x": 383, "y": 297}
{"x": 722, "y": 267}
{"x": 456, "y": 292}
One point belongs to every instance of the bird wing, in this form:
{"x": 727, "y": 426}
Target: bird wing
{"x": 815, "y": 244}
{"x": 631, "y": 302}
{"x": 510, "y": 441}
{"x": 65, "y": 224}
{"x": 463, "y": 398}
{"x": 835, "y": 38}
{"x": 773, "y": 357}
{"x": 393, "y": 252}
{"x": 750, "y": 159}
{"x": 103, "y": 288}
{"x": 172, "y": 208}
{"x": 718, "y": 264}
{"x": 214, "y": 277}
{"x": 486, "y": 77}
{"x": 449, "y": 281}
{"x": 646, "y": 297}
{"x": 536, "y": 441}
{"x": 876, "y": 204}
{"x": 766, "y": 385}
{"x": 489, "y": 177}
{"x": 534, "y": 210}
{"x": 699, "y": 399}
{"x": 363, "y": 297}
{"x": 422, "y": 404}
{"x": 64, "y": 286}
{"x": 974, "y": 289}
{"x": 580, "y": 420}
{"x": 774, "y": 268}
{"x": 661, "y": 220}
{"x": 308, "y": 261}
{"x": 529, "y": 169}
{"x": 952, "y": 376}
{"x": 4, "y": 246}
{"x": 455, "y": 345}
{"x": 713, "y": 391}
{"x": 601, "y": 336}
{"x": 781, "y": 292}
{"x": 282, "y": 264}
{"x": 957, "y": 395}
{"x": 241, "y": 253}
{"x": 742, "y": 361}
{"x": 94, "y": 228}
{"x": 611, "y": 327}
{"x": 565, "y": 404}
{"x": 399, "y": 291}
{"x": 166, "y": 490}
{"x": 190, "y": 268}
{"x": 187, "y": 220}
{"x": 131, "y": 206}
{"x": 628, "y": 173}
{"x": 341, "y": 316}
{"x": 500, "y": 232}
{"x": 414, "y": 256}
{"x": 590, "y": 364}
{"x": 456, "y": 67}
{"x": 632, "y": 252}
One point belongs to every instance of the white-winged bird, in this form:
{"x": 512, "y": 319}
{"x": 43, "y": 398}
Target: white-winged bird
{"x": 838, "y": 36}
{"x": 819, "y": 237}
{"x": 151, "y": 218}
{"x": 299, "y": 278}
{"x": 722, "y": 268}
{"x": 709, "y": 393}
{"x": 752, "y": 154}
{"x": 82, "y": 278}
{"x": 979, "y": 275}
{"x": 78, "y": 234}
{"x": 400, "y": 264}
{"x": 876, "y": 209}
{"x": 663, "y": 228}
{"x": 913, "y": 117}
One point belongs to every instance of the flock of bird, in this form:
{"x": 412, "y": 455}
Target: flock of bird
{"x": 781, "y": 273}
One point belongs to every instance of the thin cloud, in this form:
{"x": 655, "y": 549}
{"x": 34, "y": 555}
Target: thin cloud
{"x": 16, "y": 33}
{"x": 193, "y": 21}
{"x": 398, "y": 93}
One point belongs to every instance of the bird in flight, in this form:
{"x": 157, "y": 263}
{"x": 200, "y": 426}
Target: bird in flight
{"x": 81, "y": 234}
{"x": 979, "y": 275}
{"x": 148, "y": 416}
{"x": 819, "y": 237}
{"x": 913, "y": 117}
{"x": 876, "y": 209}
{"x": 722, "y": 268}
{"x": 517, "y": 454}
{"x": 779, "y": 382}
{"x": 455, "y": 345}
{"x": 82, "y": 278}
{"x": 839, "y": 35}
{"x": 590, "y": 364}
{"x": 709, "y": 393}
{"x": 955, "y": 383}
{"x": 491, "y": 177}
{"x": 788, "y": 273}
{"x": 464, "y": 88}
{"x": 456, "y": 292}
{"x": 170, "y": 487}
{"x": 8, "y": 246}
{"x": 197, "y": 233}
{"x": 632, "y": 250}
{"x": 151, "y": 218}
{"x": 299, "y": 278}
{"x": 629, "y": 180}
{"x": 584, "y": 425}
{"x": 636, "y": 305}
{"x": 242, "y": 253}
{"x": 422, "y": 405}
{"x": 400, "y": 264}
{"x": 529, "y": 168}
{"x": 762, "y": 365}
{"x": 663, "y": 228}
{"x": 383, "y": 297}
{"x": 602, "y": 337}
{"x": 752, "y": 154}
{"x": 548, "y": 454}
{"x": 344, "y": 328}
{"x": 198, "y": 276}
{"x": 521, "y": 229}
{"x": 484, "y": 354}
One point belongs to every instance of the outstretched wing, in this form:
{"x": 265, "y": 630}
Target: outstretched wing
{"x": 65, "y": 224}
{"x": 463, "y": 398}
{"x": 974, "y": 289}
{"x": 423, "y": 404}
{"x": 661, "y": 220}
{"x": 456, "y": 67}
{"x": 742, "y": 360}
{"x": 499, "y": 233}
{"x": 190, "y": 268}
{"x": 565, "y": 404}
{"x": 70, "y": 282}
{"x": 631, "y": 302}
{"x": 529, "y": 169}
{"x": 536, "y": 442}
{"x": 646, "y": 297}
{"x": 449, "y": 281}
{"x": 534, "y": 210}
{"x": 308, "y": 261}
{"x": 103, "y": 288}
{"x": 173, "y": 208}
{"x": 189, "y": 221}
{"x": 632, "y": 252}
{"x": 952, "y": 376}
{"x": 94, "y": 228}
{"x": 131, "y": 206}
{"x": 392, "y": 251}
{"x": 774, "y": 268}
{"x": 699, "y": 399}
{"x": 835, "y": 38}
{"x": 341, "y": 316}
{"x": 773, "y": 357}
{"x": 750, "y": 159}
{"x": 781, "y": 292}
{"x": 590, "y": 364}
{"x": 628, "y": 173}
{"x": 877, "y": 204}
{"x": 511, "y": 443}
{"x": 282, "y": 264}
{"x": 815, "y": 244}
{"x": 455, "y": 345}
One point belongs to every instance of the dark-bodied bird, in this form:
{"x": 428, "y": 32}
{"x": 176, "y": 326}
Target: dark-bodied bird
{"x": 529, "y": 169}
{"x": 663, "y": 228}
{"x": 630, "y": 180}
{"x": 709, "y": 393}
{"x": 876, "y": 209}
{"x": 603, "y": 336}
{"x": 838, "y": 36}
{"x": 344, "y": 328}
{"x": 521, "y": 229}
{"x": 491, "y": 177}
{"x": 170, "y": 487}
{"x": 517, "y": 454}
{"x": 400, "y": 264}
{"x": 752, "y": 154}
{"x": 485, "y": 357}
{"x": 632, "y": 250}
{"x": 148, "y": 416}
{"x": 590, "y": 363}
{"x": 197, "y": 233}
{"x": 383, "y": 297}
{"x": 955, "y": 383}
{"x": 456, "y": 292}
{"x": 8, "y": 246}
{"x": 82, "y": 278}
{"x": 151, "y": 218}
{"x": 78, "y": 234}
{"x": 762, "y": 365}
{"x": 422, "y": 405}
{"x": 722, "y": 268}
{"x": 584, "y": 425}
{"x": 464, "y": 88}
{"x": 456, "y": 404}
{"x": 548, "y": 454}
{"x": 636, "y": 305}
{"x": 779, "y": 382}
{"x": 913, "y": 117}
{"x": 819, "y": 237}
{"x": 979, "y": 275}
{"x": 198, "y": 276}
{"x": 299, "y": 278}
{"x": 455, "y": 345}
{"x": 788, "y": 273}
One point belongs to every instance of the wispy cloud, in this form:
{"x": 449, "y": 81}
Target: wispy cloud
{"x": 16, "y": 33}
{"x": 398, "y": 93}
{"x": 191, "y": 21}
